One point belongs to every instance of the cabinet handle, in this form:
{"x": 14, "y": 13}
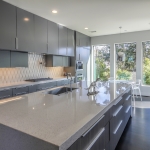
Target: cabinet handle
{"x": 128, "y": 109}
{"x": 21, "y": 93}
{"x": 16, "y": 43}
{"x": 128, "y": 97}
{"x": 118, "y": 127}
{"x": 4, "y": 96}
{"x": 79, "y": 56}
{"x": 117, "y": 111}
{"x": 93, "y": 126}
{"x": 96, "y": 138}
{"x": 118, "y": 100}
{"x": 128, "y": 91}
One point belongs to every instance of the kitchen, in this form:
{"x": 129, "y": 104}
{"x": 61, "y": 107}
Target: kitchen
{"x": 49, "y": 97}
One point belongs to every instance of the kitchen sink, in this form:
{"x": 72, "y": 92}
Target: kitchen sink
{"x": 60, "y": 91}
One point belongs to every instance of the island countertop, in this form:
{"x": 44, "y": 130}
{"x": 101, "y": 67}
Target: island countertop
{"x": 59, "y": 120}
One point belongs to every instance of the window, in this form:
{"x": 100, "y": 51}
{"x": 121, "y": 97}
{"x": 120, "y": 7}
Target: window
{"x": 126, "y": 61}
{"x": 146, "y": 62}
{"x": 101, "y": 62}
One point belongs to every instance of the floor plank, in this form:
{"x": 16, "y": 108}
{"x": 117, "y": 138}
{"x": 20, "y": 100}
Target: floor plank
{"x": 136, "y": 135}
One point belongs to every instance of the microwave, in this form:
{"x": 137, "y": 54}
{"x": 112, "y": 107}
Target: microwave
{"x": 79, "y": 65}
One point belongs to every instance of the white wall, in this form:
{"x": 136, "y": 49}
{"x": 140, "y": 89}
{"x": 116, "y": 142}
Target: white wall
{"x": 137, "y": 37}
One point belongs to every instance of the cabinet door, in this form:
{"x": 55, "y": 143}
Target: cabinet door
{"x": 84, "y": 54}
{"x": 77, "y": 38}
{"x": 83, "y": 40}
{"x": 57, "y": 61}
{"x": 4, "y": 59}
{"x": 5, "y": 93}
{"x": 66, "y": 61}
{"x": 7, "y": 26}
{"x": 62, "y": 40}
{"x": 77, "y": 53}
{"x": 52, "y": 38}
{"x": 25, "y": 31}
{"x": 70, "y": 48}
{"x": 20, "y": 91}
{"x": 40, "y": 26}
{"x": 19, "y": 59}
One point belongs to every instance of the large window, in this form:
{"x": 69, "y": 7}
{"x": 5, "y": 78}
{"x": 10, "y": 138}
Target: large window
{"x": 126, "y": 61}
{"x": 101, "y": 62}
{"x": 146, "y": 63}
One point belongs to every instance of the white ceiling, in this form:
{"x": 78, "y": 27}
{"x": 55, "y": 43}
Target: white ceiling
{"x": 102, "y": 16}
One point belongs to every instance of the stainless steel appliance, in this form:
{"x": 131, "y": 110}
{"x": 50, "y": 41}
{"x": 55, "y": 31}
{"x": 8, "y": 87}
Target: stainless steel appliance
{"x": 79, "y": 77}
{"x": 79, "y": 65}
{"x": 39, "y": 79}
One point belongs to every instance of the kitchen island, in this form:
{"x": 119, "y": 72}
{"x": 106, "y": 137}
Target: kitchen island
{"x": 73, "y": 121}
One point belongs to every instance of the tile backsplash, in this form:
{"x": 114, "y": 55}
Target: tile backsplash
{"x": 34, "y": 70}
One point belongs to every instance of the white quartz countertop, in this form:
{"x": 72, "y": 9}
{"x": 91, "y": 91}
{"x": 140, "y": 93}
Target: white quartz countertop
{"x": 26, "y": 83}
{"x": 59, "y": 120}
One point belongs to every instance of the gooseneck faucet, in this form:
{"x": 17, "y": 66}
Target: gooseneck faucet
{"x": 69, "y": 74}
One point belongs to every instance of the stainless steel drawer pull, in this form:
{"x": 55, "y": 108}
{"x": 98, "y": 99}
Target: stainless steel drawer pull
{"x": 93, "y": 126}
{"x": 128, "y": 109}
{"x": 21, "y": 93}
{"x": 118, "y": 100}
{"x": 4, "y": 96}
{"x": 117, "y": 111}
{"x": 118, "y": 127}
{"x": 128, "y": 98}
{"x": 96, "y": 138}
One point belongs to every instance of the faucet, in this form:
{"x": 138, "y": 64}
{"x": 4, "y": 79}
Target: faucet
{"x": 69, "y": 74}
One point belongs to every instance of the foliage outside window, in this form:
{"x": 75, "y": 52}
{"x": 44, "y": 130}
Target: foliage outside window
{"x": 126, "y": 61}
{"x": 146, "y": 63}
{"x": 102, "y": 62}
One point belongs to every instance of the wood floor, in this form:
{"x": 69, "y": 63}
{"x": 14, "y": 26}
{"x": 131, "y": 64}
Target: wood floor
{"x": 136, "y": 135}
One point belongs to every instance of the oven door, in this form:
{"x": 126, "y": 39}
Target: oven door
{"x": 79, "y": 65}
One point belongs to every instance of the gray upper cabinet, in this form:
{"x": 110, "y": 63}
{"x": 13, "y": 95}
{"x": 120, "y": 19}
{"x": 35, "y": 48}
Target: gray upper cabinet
{"x": 4, "y": 59}
{"x": 52, "y": 38}
{"x": 40, "y": 28}
{"x": 56, "y": 61}
{"x": 70, "y": 40}
{"x": 19, "y": 59}
{"x": 62, "y": 40}
{"x": 7, "y": 26}
{"x": 25, "y": 31}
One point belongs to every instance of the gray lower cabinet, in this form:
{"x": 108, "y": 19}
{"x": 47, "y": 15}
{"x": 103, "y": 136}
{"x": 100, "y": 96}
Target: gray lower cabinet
{"x": 19, "y": 59}
{"x": 6, "y": 93}
{"x": 105, "y": 133}
{"x": 32, "y": 88}
{"x": 4, "y": 59}
{"x": 20, "y": 90}
{"x": 45, "y": 86}
{"x": 7, "y": 26}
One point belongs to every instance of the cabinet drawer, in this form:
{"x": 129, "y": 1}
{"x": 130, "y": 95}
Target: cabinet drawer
{"x": 45, "y": 86}
{"x": 65, "y": 82}
{"x": 116, "y": 106}
{"x": 20, "y": 90}
{"x": 107, "y": 136}
{"x": 32, "y": 88}
{"x": 5, "y": 93}
{"x": 89, "y": 136}
{"x": 125, "y": 96}
{"x": 127, "y": 115}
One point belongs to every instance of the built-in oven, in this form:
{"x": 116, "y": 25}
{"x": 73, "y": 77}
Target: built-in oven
{"x": 79, "y": 77}
{"x": 79, "y": 65}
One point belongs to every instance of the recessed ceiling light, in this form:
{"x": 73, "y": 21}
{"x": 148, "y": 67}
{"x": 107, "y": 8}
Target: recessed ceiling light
{"x": 86, "y": 28}
{"x": 54, "y": 11}
{"x": 26, "y": 19}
